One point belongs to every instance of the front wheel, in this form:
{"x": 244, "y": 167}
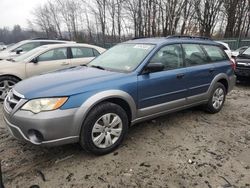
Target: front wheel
{"x": 6, "y": 84}
{"x": 217, "y": 98}
{"x": 104, "y": 128}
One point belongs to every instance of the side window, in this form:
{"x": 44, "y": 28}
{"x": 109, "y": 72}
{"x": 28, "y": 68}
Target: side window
{"x": 215, "y": 53}
{"x": 194, "y": 55}
{"x": 29, "y": 46}
{"x": 96, "y": 53}
{"x": 170, "y": 56}
{"x": 82, "y": 52}
{"x": 55, "y": 54}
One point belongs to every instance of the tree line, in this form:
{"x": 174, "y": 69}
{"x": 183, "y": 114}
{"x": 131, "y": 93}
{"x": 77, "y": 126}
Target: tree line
{"x": 104, "y": 21}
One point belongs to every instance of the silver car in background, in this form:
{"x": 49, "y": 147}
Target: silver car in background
{"x": 25, "y": 46}
{"x": 44, "y": 59}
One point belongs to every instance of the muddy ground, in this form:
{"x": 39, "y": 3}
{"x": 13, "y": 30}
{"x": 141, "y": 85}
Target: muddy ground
{"x": 185, "y": 149}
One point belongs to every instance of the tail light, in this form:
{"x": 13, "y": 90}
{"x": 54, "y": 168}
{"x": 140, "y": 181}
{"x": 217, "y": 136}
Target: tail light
{"x": 233, "y": 63}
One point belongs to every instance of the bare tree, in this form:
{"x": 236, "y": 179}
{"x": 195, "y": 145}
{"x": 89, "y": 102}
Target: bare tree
{"x": 207, "y": 12}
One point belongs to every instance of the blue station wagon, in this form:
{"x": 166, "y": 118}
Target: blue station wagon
{"x": 134, "y": 81}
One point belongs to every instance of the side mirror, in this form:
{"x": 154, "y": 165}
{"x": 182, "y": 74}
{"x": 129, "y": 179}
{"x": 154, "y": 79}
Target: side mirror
{"x": 153, "y": 67}
{"x": 19, "y": 50}
{"x": 35, "y": 60}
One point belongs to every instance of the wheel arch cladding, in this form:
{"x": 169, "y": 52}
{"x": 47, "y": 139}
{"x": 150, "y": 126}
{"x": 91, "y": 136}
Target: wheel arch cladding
{"x": 221, "y": 78}
{"x": 115, "y": 96}
{"x": 224, "y": 82}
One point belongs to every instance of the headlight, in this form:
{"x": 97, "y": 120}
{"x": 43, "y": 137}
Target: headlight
{"x": 46, "y": 104}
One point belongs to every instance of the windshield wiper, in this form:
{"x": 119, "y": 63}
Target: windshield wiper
{"x": 98, "y": 67}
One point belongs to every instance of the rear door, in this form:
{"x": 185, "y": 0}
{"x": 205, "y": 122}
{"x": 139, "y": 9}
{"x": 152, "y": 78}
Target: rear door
{"x": 51, "y": 60}
{"x": 200, "y": 69}
{"x": 82, "y": 55}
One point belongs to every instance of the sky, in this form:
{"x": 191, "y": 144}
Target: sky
{"x": 14, "y": 12}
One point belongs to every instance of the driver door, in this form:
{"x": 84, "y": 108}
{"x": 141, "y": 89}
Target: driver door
{"x": 163, "y": 90}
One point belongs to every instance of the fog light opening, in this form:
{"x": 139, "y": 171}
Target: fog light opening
{"x": 35, "y": 136}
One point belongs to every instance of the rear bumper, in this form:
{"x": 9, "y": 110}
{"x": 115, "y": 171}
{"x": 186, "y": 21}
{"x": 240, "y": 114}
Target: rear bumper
{"x": 46, "y": 128}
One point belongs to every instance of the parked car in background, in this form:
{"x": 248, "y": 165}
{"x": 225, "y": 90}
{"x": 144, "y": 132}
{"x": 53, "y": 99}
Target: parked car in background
{"x": 226, "y": 48}
{"x": 131, "y": 82}
{"x": 25, "y": 46}
{"x": 243, "y": 65}
{"x": 2, "y": 46}
{"x": 44, "y": 59}
{"x": 240, "y": 50}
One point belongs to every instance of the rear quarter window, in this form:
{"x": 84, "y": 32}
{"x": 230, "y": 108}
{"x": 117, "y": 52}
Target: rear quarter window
{"x": 215, "y": 53}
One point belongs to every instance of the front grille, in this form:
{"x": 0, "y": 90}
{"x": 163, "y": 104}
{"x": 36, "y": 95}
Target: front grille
{"x": 243, "y": 65}
{"x": 12, "y": 100}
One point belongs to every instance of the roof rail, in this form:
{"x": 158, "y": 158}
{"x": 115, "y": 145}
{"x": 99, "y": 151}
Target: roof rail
{"x": 39, "y": 38}
{"x": 188, "y": 37}
{"x": 138, "y": 38}
{"x": 44, "y": 38}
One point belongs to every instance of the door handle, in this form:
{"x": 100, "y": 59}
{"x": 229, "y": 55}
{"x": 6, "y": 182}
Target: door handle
{"x": 211, "y": 70}
{"x": 180, "y": 76}
{"x": 65, "y": 63}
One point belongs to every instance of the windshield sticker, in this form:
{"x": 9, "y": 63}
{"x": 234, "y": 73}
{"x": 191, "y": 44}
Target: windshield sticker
{"x": 142, "y": 46}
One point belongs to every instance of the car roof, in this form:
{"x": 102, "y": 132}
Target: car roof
{"x": 52, "y": 46}
{"x": 172, "y": 39}
{"x": 48, "y": 40}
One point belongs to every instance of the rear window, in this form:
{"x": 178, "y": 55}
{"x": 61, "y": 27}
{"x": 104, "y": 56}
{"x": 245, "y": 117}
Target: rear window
{"x": 215, "y": 53}
{"x": 81, "y": 52}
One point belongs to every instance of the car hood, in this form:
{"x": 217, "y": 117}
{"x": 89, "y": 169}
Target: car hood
{"x": 65, "y": 83}
{"x": 243, "y": 58}
{"x": 4, "y": 54}
{"x": 6, "y": 64}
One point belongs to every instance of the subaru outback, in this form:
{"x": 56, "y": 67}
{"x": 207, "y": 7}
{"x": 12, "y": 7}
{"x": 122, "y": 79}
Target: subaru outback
{"x": 132, "y": 82}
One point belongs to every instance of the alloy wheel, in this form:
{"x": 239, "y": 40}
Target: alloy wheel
{"x": 5, "y": 87}
{"x": 107, "y": 130}
{"x": 218, "y": 98}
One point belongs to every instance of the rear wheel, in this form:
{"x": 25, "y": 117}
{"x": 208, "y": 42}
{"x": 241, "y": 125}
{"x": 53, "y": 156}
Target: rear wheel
{"x": 104, "y": 128}
{"x": 217, "y": 98}
{"x": 6, "y": 84}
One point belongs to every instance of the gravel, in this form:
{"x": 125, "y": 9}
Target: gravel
{"x": 185, "y": 149}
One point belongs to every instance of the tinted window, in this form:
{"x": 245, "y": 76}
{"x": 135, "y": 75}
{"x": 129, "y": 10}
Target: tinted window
{"x": 82, "y": 52}
{"x": 215, "y": 53}
{"x": 28, "y": 46}
{"x": 170, "y": 56}
{"x": 55, "y": 54}
{"x": 247, "y": 51}
{"x": 194, "y": 55}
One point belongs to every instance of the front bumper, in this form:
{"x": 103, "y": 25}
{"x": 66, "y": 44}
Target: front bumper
{"x": 243, "y": 72}
{"x": 46, "y": 128}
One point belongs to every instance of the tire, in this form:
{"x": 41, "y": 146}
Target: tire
{"x": 217, "y": 99}
{"x": 97, "y": 135}
{"x": 6, "y": 84}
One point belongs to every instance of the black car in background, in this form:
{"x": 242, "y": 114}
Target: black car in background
{"x": 243, "y": 65}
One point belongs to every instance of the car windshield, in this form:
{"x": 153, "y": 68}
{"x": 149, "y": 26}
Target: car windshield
{"x": 28, "y": 54}
{"x": 246, "y": 53}
{"x": 123, "y": 57}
